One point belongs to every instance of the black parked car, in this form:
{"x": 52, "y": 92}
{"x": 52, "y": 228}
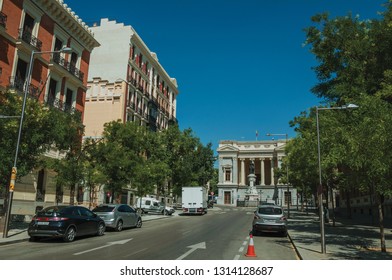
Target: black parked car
{"x": 66, "y": 222}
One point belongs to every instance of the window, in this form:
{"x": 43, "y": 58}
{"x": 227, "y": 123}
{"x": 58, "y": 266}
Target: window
{"x": 68, "y": 99}
{"x": 85, "y": 212}
{"x": 270, "y": 211}
{"x": 52, "y": 92}
{"x": 227, "y": 175}
{"x": 40, "y": 196}
{"x": 287, "y": 197}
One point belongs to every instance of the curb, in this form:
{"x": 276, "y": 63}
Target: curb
{"x": 295, "y": 247}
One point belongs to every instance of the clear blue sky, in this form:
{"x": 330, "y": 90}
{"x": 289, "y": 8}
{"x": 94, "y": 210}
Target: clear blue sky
{"x": 240, "y": 64}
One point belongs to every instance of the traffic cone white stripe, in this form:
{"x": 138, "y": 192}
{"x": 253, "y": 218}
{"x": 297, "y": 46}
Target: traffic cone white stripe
{"x": 251, "y": 248}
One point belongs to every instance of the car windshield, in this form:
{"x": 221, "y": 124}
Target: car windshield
{"x": 270, "y": 211}
{"x": 51, "y": 211}
{"x": 103, "y": 208}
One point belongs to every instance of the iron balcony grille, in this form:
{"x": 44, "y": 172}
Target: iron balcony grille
{"x": 3, "y": 19}
{"x": 30, "y": 39}
{"x": 57, "y": 58}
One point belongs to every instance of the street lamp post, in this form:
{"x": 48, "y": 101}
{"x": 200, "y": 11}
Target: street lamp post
{"x": 14, "y": 169}
{"x": 287, "y": 171}
{"x": 320, "y": 187}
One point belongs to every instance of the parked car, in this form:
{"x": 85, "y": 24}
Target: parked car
{"x": 118, "y": 216}
{"x": 151, "y": 205}
{"x": 67, "y": 222}
{"x": 269, "y": 218}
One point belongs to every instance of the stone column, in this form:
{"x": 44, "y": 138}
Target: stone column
{"x": 242, "y": 171}
{"x": 272, "y": 172}
{"x": 262, "y": 175}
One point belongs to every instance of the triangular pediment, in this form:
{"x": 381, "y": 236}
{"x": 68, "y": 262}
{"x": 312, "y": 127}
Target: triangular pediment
{"x": 227, "y": 148}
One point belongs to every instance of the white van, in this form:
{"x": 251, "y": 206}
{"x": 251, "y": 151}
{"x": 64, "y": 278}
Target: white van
{"x": 152, "y": 205}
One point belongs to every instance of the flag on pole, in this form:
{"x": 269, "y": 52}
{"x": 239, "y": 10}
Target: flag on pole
{"x": 257, "y": 134}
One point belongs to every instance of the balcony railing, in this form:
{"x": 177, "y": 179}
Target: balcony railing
{"x": 18, "y": 84}
{"x": 60, "y": 105}
{"x": 57, "y": 58}
{"x": 3, "y": 19}
{"x": 28, "y": 37}
{"x": 40, "y": 196}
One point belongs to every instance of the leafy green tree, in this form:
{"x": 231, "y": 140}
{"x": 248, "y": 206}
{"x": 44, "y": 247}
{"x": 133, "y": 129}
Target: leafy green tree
{"x": 355, "y": 65}
{"x": 43, "y": 128}
{"x": 120, "y": 154}
{"x": 190, "y": 162}
{"x": 371, "y": 159}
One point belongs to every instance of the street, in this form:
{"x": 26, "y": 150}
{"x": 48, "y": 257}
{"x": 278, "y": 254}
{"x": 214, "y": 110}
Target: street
{"x": 222, "y": 234}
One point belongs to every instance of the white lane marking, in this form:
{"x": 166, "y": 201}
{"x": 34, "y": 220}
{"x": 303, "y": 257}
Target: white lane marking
{"x": 120, "y": 242}
{"x": 201, "y": 245}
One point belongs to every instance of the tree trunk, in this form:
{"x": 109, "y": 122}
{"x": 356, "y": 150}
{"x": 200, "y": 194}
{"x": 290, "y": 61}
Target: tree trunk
{"x": 348, "y": 205}
{"x": 72, "y": 195}
{"x": 381, "y": 219}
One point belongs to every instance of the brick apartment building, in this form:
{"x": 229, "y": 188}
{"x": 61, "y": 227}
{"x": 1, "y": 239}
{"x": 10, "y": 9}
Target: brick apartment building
{"x": 42, "y": 28}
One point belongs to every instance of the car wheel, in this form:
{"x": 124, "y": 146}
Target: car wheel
{"x": 284, "y": 233}
{"x": 166, "y": 213}
{"x": 70, "y": 234}
{"x": 33, "y": 238}
{"x": 119, "y": 225}
{"x": 139, "y": 223}
{"x": 254, "y": 232}
{"x": 101, "y": 229}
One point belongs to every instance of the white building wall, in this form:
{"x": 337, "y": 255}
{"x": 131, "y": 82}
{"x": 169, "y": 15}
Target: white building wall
{"x": 110, "y": 60}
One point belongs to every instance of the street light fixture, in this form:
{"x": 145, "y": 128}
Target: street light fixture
{"x": 320, "y": 188}
{"x": 14, "y": 169}
{"x": 287, "y": 171}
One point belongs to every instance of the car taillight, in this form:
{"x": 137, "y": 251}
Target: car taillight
{"x": 256, "y": 217}
{"x": 50, "y": 219}
{"x": 283, "y": 219}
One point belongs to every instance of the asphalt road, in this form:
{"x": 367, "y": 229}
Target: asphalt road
{"x": 219, "y": 235}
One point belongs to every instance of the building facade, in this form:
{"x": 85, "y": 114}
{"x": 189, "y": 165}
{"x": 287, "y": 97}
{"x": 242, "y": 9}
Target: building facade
{"x": 238, "y": 159}
{"x": 41, "y": 28}
{"x": 126, "y": 82}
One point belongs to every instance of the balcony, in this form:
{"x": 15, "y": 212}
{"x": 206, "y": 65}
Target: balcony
{"x": 16, "y": 83}
{"x": 173, "y": 120}
{"x": 61, "y": 105}
{"x": 40, "y": 196}
{"x": 140, "y": 88}
{"x": 3, "y": 19}
{"x": 27, "y": 37}
{"x": 59, "y": 60}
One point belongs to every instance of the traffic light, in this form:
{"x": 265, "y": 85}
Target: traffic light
{"x": 13, "y": 179}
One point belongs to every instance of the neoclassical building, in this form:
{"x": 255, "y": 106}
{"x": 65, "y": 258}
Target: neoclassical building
{"x": 236, "y": 158}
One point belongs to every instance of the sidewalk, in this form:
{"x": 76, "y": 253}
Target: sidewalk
{"x": 344, "y": 241}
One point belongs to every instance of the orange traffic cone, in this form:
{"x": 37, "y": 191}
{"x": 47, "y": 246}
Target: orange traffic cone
{"x": 251, "y": 248}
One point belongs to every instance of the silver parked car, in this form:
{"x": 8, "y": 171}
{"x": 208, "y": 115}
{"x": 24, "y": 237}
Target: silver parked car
{"x": 269, "y": 218}
{"x": 118, "y": 216}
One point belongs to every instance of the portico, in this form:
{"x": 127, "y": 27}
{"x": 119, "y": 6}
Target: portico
{"x": 235, "y": 158}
